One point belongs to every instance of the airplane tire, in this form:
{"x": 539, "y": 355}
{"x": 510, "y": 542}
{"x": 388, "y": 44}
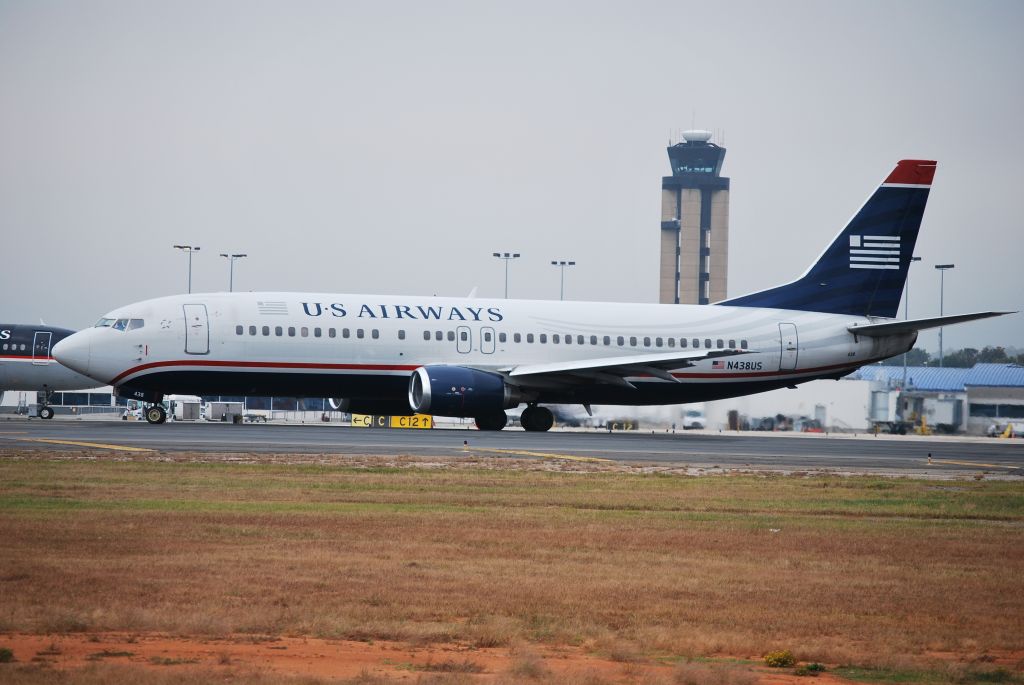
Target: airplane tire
{"x": 543, "y": 420}
{"x": 156, "y": 414}
{"x": 492, "y": 422}
{"x": 537, "y": 419}
{"x": 45, "y": 412}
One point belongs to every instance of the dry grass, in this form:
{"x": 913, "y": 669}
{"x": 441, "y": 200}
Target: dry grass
{"x": 861, "y": 570}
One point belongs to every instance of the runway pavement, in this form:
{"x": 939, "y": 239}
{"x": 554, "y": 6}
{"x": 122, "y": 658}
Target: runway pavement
{"x": 900, "y": 454}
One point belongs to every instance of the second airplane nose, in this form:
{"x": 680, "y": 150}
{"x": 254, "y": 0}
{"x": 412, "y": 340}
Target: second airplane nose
{"x": 74, "y": 352}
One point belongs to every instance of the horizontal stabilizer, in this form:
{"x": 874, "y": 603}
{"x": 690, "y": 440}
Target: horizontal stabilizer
{"x": 875, "y": 330}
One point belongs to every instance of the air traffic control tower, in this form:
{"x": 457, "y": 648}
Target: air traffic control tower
{"x": 694, "y": 222}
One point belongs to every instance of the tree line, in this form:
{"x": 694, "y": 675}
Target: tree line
{"x": 958, "y": 359}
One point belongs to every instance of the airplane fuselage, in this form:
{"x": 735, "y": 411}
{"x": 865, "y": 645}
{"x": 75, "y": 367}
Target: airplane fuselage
{"x": 368, "y": 346}
{"x": 26, "y": 362}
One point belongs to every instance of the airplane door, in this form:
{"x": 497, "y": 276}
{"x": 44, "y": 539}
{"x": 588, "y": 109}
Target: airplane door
{"x": 487, "y": 340}
{"x": 41, "y": 347}
{"x": 197, "y": 329}
{"x": 789, "y": 346}
{"x": 463, "y": 339}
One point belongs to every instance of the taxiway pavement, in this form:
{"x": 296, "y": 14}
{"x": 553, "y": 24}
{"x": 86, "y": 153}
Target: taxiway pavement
{"x": 909, "y": 455}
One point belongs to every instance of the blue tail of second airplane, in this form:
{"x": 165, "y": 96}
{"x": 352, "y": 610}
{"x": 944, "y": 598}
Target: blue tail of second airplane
{"x": 863, "y": 271}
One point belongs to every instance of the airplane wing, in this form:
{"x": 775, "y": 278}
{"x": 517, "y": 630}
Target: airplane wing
{"x": 898, "y": 327}
{"x": 614, "y": 370}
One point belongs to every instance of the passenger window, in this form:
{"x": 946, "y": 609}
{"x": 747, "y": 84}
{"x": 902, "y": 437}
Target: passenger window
{"x": 658, "y": 342}
{"x": 252, "y": 330}
{"x": 487, "y": 336}
{"x": 360, "y": 334}
{"x": 401, "y": 334}
{"x": 732, "y": 344}
{"x": 134, "y": 324}
{"x": 304, "y": 331}
{"x": 682, "y": 342}
{"x": 291, "y": 331}
{"x": 426, "y": 335}
{"x": 451, "y": 336}
{"x": 556, "y": 338}
{"x": 593, "y": 340}
{"x": 120, "y": 324}
{"x": 647, "y": 342}
{"x": 317, "y": 333}
{"x": 238, "y": 330}
{"x": 5, "y": 346}
{"x": 696, "y": 342}
{"x": 502, "y": 337}
{"x": 707, "y": 343}
{"x": 568, "y": 339}
{"x": 331, "y": 333}
{"x": 278, "y": 330}
{"x": 632, "y": 340}
{"x": 720, "y": 343}
{"x": 607, "y": 340}
{"x": 517, "y": 337}
{"x": 439, "y": 335}
{"x": 463, "y": 336}
{"x": 375, "y": 333}
{"x": 671, "y": 342}
{"x": 620, "y": 341}
{"x": 579, "y": 339}
{"x": 529, "y": 337}
{"x": 345, "y": 333}
{"x": 743, "y": 344}
{"x": 266, "y": 330}
{"x": 543, "y": 337}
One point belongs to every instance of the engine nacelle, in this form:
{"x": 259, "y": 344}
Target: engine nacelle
{"x": 370, "y": 406}
{"x": 460, "y": 391}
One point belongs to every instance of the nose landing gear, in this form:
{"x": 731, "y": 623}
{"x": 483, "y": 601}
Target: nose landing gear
{"x": 537, "y": 419}
{"x": 155, "y": 413}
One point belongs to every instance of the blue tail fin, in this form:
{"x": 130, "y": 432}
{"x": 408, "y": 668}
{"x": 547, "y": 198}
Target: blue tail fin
{"x": 863, "y": 271}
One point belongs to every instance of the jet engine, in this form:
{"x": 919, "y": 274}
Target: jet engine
{"x": 460, "y": 391}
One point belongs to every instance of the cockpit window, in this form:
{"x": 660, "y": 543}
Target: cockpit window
{"x": 134, "y": 324}
{"x": 104, "y": 323}
{"x": 120, "y": 324}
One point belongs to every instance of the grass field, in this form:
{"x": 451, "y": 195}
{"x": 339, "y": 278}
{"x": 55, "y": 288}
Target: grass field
{"x": 886, "y": 577}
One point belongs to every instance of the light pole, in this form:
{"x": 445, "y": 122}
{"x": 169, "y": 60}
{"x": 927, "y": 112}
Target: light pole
{"x": 231, "y": 268}
{"x": 942, "y": 292}
{"x": 561, "y": 264}
{"x": 508, "y": 257}
{"x": 906, "y": 315}
{"x": 190, "y": 249}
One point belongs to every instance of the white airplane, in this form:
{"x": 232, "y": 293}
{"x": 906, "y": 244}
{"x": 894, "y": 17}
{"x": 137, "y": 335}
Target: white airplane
{"x": 26, "y": 363}
{"x": 478, "y": 357}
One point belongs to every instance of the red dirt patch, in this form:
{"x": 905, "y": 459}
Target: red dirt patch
{"x": 336, "y": 659}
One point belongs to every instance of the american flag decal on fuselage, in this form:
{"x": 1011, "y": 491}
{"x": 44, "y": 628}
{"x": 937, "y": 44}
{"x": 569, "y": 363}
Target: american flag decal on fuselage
{"x": 874, "y": 252}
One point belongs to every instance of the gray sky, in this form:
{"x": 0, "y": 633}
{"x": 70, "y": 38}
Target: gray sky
{"x": 391, "y": 147}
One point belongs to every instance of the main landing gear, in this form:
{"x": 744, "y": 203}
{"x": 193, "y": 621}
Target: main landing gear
{"x": 492, "y": 422}
{"x": 155, "y": 413}
{"x": 537, "y": 419}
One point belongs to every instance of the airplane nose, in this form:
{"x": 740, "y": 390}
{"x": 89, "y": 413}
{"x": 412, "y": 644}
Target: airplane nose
{"x": 74, "y": 352}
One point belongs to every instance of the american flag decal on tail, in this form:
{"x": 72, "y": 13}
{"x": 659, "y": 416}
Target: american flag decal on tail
{"x": 874, "y": 252}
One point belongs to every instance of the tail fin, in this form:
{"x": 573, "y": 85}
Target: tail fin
{"x": 863, "y": 271}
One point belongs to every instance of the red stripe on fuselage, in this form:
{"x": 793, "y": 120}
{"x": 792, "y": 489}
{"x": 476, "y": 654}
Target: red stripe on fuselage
{"x": 314, "y": 366}
{"x": 267, "y": 365}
